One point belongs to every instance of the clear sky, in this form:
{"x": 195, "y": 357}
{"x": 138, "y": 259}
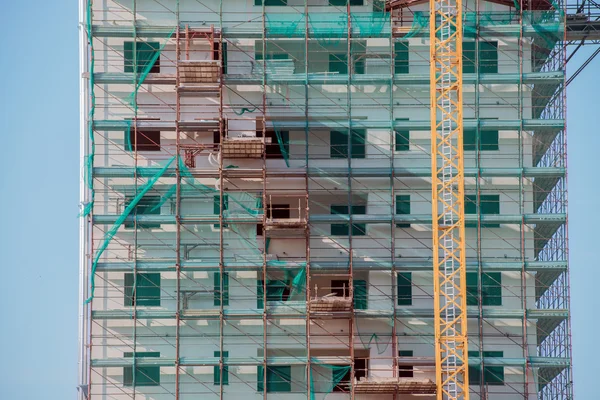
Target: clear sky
{"x": 39, "y": 180}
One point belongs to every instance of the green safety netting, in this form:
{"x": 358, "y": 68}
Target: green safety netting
{"x": 147, "y": 67}
{"x": 494, "y": 18}
{"x": 469, "y": 25}
{"x": 367, "y": 328}
{"x": 282, "y": 264}
{"x": 89, "y": 159}
{"x": 240, "y": 237}
{"x": 245, "y": 110}
{"x": 127, "y": 139}
{"x": 419, "y": 25}
{"x": 113, "y": 230}
{"x": 328, "y": 28}
{"x": 285, "y": 24}
{"x": 287, "y": 285}
{"x": 370, "y": 24}
{"x": 240, "y": 242}
{"x": 325, "y": 377}
{"x": 147, "y": 62}
{"x": 547, "y": 25}
{"x": 283, "y": 145}
{"x": 239, "y": 203}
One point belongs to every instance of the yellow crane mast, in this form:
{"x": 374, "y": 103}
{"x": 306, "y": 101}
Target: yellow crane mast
{"x": 448, "y": 219}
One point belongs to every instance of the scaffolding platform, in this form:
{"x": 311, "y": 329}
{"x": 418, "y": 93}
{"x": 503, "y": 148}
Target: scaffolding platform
{"x": 330, "y": 304}
{"x": 277, "y": 224}
{"x": 244, "y": 147}
{"x": 377, "y": 385}
{"x": 194, "y": 72}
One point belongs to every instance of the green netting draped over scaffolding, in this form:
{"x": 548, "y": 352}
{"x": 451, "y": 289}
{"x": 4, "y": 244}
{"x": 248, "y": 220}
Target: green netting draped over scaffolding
{"x": 493, "y": 18}
{"x": 375, "y": 331}
{"x": 328, "y": 28}
{"x": 113, "y": 230}
{"x": 547, "y": 24}
{"x": 146, "y": 62}
{"x": 283, "y": 143}
{"x": 89, "y": 159}
{"x": 284, "y": 286}
{"x": 420, "y": 25}
{"x": 127, "y": 140}
{"x": 325, "y": 377}
{"x": 245, "y": 110}
{"x": 241, "y": 209}
{"x": 371, "y": 24}
{"x": 285, "y": 24}
{"x": 469, "y": 25}
{"x": 240, "y": 243}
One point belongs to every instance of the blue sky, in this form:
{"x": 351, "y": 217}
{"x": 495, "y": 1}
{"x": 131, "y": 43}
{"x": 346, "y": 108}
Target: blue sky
{"x": 39, "y": 180}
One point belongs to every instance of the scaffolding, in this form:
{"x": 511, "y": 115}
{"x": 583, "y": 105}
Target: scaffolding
{"x": 256, "y": 203}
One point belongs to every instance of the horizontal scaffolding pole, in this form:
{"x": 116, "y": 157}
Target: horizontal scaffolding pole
{"x": 367, "y": 172}
{"x": 538, "y": 125}
{"x": 299, "y": 310}
{"x": 535, "y": 362}
{"x": 248, "y": 32}
{"x": 538, "y": 219}
{"x": 552, "y": 78}
{"x": 213, "y": 266}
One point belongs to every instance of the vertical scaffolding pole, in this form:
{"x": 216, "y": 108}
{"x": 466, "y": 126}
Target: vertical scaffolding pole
{"x": 522, "y": 208}
{"x": 350, "y": 68}
{"x": 177, "y": 206}
{"x": 223, "y": 124}
{"x": 449, "y": 269}
{"x": 264, "y": 200}
{"x": 134, "y": 211}
{"x": 394, "y": 271}
{"x": 307, "y": 207}
{"x": 85, "y": 90}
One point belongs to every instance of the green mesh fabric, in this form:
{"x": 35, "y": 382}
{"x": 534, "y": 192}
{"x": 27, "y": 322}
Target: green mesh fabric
{"x": 328, "y": 28}
{"x": 148, "y": 67}
{"x": 285, "y": 24}
{"x": 239, "y": 236}
{"x": 128, "y": 146}
{"x": 366, "y": 328}
{"x": 282, "y": 148}
{"x": 298, "y": 289}
{"x": 286, "y": 285}
{"x": 547, "y": 24}
{"x": 324, "y": 378}
{"x": 420, "y": 24}
{"x": 89, "y": 160}
{"x": 113, "y": 230}
{"x": 371, "y": 24}
{"x": 469, "y": 24}
{"x": 245, "y": 110}
{"x": 242, "y": 205}
{"x": 495, "y": 18}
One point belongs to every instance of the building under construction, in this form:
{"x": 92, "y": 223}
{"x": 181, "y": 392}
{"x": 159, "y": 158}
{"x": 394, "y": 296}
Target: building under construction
{"x": 257, "y": 218}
